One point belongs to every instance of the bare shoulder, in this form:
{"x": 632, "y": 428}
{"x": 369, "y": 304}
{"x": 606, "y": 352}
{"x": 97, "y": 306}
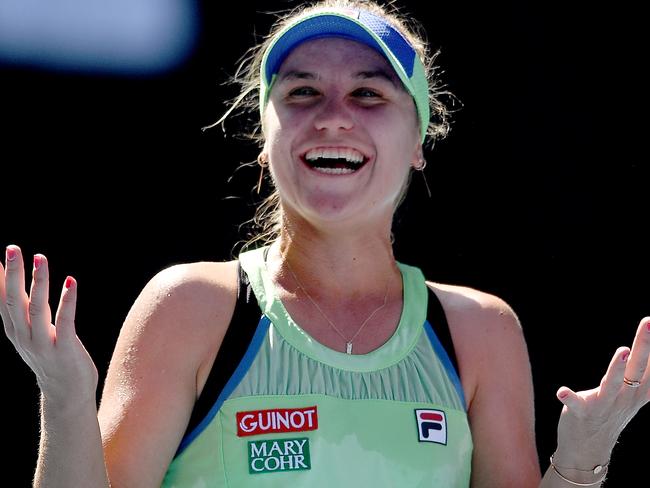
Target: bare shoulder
{"x": 483, "y": 326}
{"x": 474, "y": 309}
{"x": 191, "y": 281}
{"x": 191, "y": 295}
{"x": 191, "y": 302}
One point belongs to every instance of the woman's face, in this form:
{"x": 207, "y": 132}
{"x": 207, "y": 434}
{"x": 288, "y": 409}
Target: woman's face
{"x": 341, "y": 132}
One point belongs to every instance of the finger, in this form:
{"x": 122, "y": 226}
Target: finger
{"x": 638, "y": 363}
{"x": 40, "y": 316}
{"x": 16, "y": 298}
{"x": 65, "y": 328}
{"x": 4, "y": 313}
{"x": 612, "y": 382}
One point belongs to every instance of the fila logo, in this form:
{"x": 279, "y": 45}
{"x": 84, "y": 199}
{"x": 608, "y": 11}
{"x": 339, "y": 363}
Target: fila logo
{"x": 256, "y": 422}
{"x": 432, "y": 426}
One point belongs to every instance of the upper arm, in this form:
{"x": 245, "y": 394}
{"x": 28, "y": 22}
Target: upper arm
{"x": 502, "y": 416}
{"x": 174, "y": 327}
{"x": 495, "y": 370}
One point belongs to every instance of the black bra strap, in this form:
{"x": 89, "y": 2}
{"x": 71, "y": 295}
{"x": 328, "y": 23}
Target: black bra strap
{"x": 438, "y": 320}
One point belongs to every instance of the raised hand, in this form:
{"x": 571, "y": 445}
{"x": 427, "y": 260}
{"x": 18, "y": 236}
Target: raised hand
{"x": 64, "y": 370}
{"x": 592, "y": 420}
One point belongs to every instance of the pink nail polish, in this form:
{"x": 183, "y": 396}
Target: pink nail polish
{"x": 37, "y": 261}
{"x": 11, "y": 254}
{"x": 625, "y": 356}
{"x": 564, "y": 394}
{"x": 68, "y": 282}
{"x": 647, "y": 326}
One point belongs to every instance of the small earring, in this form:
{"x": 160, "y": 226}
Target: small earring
{"x": 263, "y": 161}
{"x": 422, "y": 163}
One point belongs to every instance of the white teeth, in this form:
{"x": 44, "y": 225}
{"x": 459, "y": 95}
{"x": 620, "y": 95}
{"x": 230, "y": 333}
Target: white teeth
{"x": 349, "y": 154}
{"x": 335, "y": 171}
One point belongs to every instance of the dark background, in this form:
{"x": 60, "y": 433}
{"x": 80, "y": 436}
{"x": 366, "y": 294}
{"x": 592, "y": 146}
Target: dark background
{"x": 539, "y": 194}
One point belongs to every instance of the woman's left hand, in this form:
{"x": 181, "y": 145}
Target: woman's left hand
{"x": 592, "y": 420}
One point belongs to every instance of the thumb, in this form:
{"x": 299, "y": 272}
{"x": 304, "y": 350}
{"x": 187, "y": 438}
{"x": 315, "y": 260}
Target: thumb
{"x": 568, "y": 397}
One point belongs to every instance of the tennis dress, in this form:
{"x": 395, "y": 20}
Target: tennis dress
{"x": 280, "y": 409}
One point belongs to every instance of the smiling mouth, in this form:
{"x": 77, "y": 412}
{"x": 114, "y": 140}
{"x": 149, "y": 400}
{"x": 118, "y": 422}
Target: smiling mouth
{"x": 335, "y": 161}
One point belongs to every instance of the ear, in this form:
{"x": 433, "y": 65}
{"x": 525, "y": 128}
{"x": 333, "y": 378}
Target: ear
{"x": 418, "y": 156}
{"x": 265, "y": 148}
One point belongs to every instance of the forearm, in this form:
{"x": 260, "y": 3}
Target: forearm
{"x": 70, "y": 451}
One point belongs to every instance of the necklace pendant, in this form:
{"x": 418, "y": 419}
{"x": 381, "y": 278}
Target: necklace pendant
{"x": 348, "y": 347}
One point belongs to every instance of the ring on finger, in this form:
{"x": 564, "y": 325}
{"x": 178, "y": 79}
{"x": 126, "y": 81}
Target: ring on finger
{"x": 631, "y": 383}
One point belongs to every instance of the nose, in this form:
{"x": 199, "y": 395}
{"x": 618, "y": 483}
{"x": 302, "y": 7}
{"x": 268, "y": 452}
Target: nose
{"x": 333, "y": 115}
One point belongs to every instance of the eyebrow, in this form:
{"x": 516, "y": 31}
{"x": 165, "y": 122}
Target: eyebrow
{"x": 365, "y": 75}
{"x": 381, "y": 74}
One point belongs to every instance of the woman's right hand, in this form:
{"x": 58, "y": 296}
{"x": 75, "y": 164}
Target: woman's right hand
{"x": 64, "y": 370}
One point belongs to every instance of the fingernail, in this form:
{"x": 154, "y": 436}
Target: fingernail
{"x": 564, "y": 394}
{"x": 11, "y": 254}
{"x": 625, "y": 356}
{"x": 647, "y": 326}
{"x": 37, "y": 261}
{"x": 68, "y": 282}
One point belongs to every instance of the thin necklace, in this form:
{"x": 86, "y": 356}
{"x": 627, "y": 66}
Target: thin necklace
{"x": 348, "y": 343}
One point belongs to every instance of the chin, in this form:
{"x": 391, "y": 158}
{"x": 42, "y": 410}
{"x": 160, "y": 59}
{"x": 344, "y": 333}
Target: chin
{"x": 344, "y": 210}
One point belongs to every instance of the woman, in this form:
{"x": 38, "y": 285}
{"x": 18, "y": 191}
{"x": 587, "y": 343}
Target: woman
{"x": 359, "y": 372}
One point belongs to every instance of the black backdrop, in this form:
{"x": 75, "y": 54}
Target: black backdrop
{"x": 538, "y": 194}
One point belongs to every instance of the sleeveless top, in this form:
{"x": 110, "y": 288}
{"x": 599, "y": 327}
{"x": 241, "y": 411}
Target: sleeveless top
{"x": 281, "y": 409}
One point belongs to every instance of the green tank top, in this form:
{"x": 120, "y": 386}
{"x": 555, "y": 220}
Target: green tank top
{"x": 298, "y": 414}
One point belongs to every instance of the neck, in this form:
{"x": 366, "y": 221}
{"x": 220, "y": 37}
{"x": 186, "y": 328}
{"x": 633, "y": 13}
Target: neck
{"x": 335, "y": 268}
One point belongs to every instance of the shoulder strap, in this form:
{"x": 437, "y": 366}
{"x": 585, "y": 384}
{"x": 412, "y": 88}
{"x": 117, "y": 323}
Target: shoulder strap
{"x": 438, "y": 321}
{"x": 243, "y": 324}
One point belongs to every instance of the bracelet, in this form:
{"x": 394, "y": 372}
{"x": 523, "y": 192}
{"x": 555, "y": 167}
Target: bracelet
{"x": 597, "y": 469}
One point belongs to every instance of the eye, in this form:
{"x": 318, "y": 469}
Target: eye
{"x": 303, "y": 91}
{"x": 366, "y": 93}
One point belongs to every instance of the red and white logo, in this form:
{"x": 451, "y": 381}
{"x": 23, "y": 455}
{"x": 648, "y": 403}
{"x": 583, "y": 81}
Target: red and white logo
{"x": 432, "y": 426}
{"x": 256, "y": 422}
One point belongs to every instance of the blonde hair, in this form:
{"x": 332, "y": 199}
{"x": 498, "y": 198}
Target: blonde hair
{"x": 267, "y": 220}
